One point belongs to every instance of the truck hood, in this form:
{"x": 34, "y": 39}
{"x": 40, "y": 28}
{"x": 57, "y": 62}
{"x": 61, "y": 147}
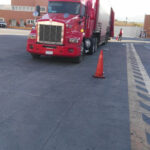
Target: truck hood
{"x": 65, "y": 18}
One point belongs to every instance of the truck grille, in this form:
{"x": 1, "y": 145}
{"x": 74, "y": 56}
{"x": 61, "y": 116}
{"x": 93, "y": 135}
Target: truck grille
{"x": 50, "y": 34}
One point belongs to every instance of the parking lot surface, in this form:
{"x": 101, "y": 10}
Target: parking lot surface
{"x": 53, "y": 104}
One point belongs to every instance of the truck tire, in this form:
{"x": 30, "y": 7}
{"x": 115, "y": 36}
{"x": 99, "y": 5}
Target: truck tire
{"x": 93, "y": 47}
{"x": 35, "y": 56}
{"x": 80, "y": 58}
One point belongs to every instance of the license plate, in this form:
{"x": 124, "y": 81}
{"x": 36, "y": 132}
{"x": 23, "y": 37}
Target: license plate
{"x": 49, "y": 52}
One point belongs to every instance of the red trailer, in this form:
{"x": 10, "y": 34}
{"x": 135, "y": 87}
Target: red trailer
{"x": 71, "y": 28}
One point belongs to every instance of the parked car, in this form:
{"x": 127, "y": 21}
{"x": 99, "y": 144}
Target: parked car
{"x": 3, "y": 24}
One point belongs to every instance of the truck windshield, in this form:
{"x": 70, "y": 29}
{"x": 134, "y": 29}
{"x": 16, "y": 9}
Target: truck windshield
{"x": 64, "y": 7}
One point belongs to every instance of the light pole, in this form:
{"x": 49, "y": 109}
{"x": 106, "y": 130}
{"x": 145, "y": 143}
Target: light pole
{"x": 126, "y": 20}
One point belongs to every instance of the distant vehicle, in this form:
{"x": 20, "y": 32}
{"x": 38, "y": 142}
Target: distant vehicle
{"x": 72, "y": 28}
{"x": 3, "y": 24}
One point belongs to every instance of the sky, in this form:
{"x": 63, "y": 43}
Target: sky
{"x": 132, "y": 10}
{"x": 5, "y": 2}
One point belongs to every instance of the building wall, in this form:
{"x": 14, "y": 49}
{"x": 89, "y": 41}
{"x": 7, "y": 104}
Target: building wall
{"x": 29, "y": 2}
{"x": 147, "y": 25}
{"x": 41, "y": 2}
{"x": 22, "y": 2}
{"x": 18, "y": 16}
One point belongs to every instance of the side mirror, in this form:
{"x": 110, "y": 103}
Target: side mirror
{"x": 38, "y": 9}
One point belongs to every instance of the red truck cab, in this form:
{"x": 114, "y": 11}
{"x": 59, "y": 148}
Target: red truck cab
{"x": 69, "y": 29}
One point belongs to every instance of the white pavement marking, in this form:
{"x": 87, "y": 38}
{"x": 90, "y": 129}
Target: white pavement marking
{"x": 14, "y": 32}
{"x": 142, "y": 69}
{"x": 138, "y": 83}
{"x": 130, "y": 41}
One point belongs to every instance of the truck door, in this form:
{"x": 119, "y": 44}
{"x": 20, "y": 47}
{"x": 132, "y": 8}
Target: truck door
{"x": 83, "y": 17}
{"x": 90, "y": 16}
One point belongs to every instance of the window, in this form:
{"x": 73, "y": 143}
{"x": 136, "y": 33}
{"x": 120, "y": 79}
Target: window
{"x": 19, "y": 8}
{"x": 16, "y": 8}
{"x": 83, "y": 10}
{"x": 23, "y": 8}
{"x": 32, "y": 9}
{"x": 2, "y": 19}
{"x": 43, "y": 9}
{"x": 30, "y": 21}
{"x": 13, "y": 22}
{"x": 64, "y": 7}
{"x": 27, "y": 8}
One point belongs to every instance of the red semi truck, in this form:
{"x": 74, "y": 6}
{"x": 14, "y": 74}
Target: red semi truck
{"x": 72, "y": 28}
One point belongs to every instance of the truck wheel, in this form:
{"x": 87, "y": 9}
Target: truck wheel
{"x": 35, "y": 56}
{"x": 79, "y": 58}
{"x": 93, "y": 47}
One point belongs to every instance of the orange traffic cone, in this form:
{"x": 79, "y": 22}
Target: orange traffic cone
{"x": 99, "y": 70}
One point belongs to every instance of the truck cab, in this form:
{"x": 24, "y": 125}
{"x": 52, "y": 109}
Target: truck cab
{"x": 66, "y": 30}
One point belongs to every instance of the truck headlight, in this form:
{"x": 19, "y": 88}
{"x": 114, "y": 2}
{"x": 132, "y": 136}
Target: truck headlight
{"x": 32, "y": 36}
{"x": 73, "y": 40}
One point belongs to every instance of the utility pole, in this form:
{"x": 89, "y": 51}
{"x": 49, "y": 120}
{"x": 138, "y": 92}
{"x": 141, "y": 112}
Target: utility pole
{"x": 126, "y": 20}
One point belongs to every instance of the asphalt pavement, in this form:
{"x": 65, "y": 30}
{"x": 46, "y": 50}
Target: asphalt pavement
{"x": 54, "y": 104}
